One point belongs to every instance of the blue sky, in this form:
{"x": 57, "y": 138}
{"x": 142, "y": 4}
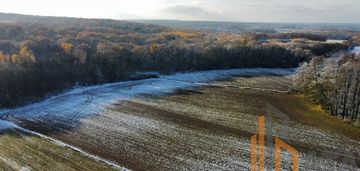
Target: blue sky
{"x": 324, "y": 11}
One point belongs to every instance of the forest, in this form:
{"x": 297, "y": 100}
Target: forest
{"x": 333, "y": 83}
{"x": 40, "y": 56}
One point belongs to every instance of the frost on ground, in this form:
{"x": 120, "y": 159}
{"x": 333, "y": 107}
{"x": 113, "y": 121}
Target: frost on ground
{"x": 4, "y": 125}
{"x": 71, "y": 107}
{"x": 356, "y": 50}
{"x": 203, "y": 125}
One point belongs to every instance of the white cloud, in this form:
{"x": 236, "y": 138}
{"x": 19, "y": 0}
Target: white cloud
{"x": 186, "y": 12}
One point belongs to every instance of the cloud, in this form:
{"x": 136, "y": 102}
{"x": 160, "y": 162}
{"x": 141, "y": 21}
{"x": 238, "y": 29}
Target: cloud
{"x": 190, "y": 12}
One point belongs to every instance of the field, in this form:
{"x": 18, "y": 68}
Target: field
{"x": 23, "y": 151}
{"x": 183, "y": 122}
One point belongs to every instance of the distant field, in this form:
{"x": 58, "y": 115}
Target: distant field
{"x": 209, "y": 128}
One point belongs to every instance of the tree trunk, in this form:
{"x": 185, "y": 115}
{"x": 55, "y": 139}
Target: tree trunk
{"x": 346, "y": 94}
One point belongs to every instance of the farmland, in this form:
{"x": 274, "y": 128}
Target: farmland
{"x": 190, "y": 121}
{"x": 20, "y": 150}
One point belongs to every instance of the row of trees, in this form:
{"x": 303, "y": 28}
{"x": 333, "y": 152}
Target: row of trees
{"x": 293, "y": 35}
{"x": 26, "y": 76}
{"x": 333, "y": 83}
{"x": 355, "y": 40}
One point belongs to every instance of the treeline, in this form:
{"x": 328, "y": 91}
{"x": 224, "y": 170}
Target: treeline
{"x": 355, "y": 40}
{"x": 24, "y": 76}
{"x": 334, "y": 83}
{"x": 325, "y": 49}
{"x": 295, "y": 35}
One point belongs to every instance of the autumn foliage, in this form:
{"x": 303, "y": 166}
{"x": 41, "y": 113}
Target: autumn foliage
{"x": 44, "y": 55}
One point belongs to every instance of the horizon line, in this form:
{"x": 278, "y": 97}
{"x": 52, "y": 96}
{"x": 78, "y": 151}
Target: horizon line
{"x": 180, "y": 20}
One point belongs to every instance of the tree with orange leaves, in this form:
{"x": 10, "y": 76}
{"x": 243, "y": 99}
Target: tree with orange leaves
{"x": 67, "y": 47}
{"x": 26, "y": 55}
{"x": 2, "y": 57}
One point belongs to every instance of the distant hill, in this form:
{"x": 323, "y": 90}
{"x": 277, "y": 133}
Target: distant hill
{"x": 241, "y": 27}
{"x": 67, "y": 22}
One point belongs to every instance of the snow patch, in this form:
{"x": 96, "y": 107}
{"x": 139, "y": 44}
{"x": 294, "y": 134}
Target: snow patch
{"x": 4, "y": 125}
{"x": 356, "y": 50}
{"x": 83, "y": 102}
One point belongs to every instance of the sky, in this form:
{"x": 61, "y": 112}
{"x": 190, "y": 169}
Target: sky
{"x": 308, "y": 11}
